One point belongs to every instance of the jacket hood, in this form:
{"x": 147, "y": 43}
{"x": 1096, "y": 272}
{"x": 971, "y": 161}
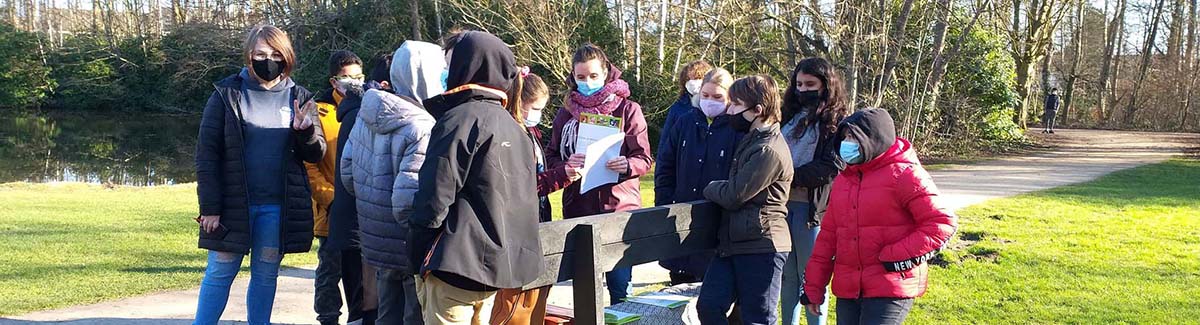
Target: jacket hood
{"x": 416, "y": 70}
{"x": 383, "y": 112}
{"x": 483, "y": 59}
{"x": 874, "y": 130}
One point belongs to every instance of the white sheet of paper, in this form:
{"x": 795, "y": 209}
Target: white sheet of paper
{"x": 600, "y": 144}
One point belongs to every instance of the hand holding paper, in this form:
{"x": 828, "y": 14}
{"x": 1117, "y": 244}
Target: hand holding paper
{"x": 600, "y": 139}
{"x": 619, "y": 165}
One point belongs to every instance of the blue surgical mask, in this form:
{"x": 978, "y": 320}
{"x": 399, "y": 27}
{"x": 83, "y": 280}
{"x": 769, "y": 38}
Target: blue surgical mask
{"x": 445, "y": 76}
{"x": 851, "y": 152}
{"x": 588, "y": 88}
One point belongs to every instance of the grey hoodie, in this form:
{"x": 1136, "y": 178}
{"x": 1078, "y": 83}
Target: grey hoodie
{"x": 382, "y": 157}
{"x": 416, "y": 70}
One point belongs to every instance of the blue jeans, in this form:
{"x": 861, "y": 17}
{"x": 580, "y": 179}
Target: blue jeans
{"x": 618, "y": 281}
{"x": 803, "y": 239}
{"x": 750, "y": 280}
{"x": 265, "y": 256}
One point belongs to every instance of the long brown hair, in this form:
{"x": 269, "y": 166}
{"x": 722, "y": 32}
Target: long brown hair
{"x": 277, "y": 39}
{"x": 834, "y": 103}
{"x": 757, "y": 90}
{"x": 527, "y": 88}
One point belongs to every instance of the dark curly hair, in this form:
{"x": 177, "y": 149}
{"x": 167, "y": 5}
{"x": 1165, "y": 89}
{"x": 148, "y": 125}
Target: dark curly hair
{"x": 834, "y": 102}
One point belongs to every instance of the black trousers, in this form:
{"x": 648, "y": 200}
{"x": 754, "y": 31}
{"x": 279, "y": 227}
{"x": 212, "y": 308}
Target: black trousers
{"x": 873, "y": 311}
{"x": 333, "y": 266}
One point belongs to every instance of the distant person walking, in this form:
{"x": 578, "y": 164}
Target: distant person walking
{"x": 257, "y": 128}
{"x": 1051, "y": 110}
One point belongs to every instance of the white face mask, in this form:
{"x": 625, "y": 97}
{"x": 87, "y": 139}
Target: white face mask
{"x": 533, "y": 118}
{"x": 693, "y": 86}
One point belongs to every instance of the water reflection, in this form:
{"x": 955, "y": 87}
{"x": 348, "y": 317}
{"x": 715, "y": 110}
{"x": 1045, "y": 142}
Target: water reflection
{"x": 120, "y": 148}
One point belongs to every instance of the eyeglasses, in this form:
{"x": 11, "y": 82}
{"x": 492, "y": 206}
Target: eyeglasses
{"x": 259, "y": 56}
{"x": 341, "y": 78}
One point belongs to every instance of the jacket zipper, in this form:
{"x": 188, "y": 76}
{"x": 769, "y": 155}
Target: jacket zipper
{"x": 857, "y": 228}
{"x": 236, "y": 107}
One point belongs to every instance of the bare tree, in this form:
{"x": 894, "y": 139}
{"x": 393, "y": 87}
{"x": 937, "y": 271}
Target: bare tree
{"x": 1076, "y": 56}
{"x": 1147, "y": 54}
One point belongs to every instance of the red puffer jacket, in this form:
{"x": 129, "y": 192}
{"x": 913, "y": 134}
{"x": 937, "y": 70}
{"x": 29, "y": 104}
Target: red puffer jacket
{"x": 883, "y": 223}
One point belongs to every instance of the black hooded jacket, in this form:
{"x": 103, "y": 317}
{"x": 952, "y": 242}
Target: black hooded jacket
{"x": 221, "y": 175}
{"x": 474, "y": 223}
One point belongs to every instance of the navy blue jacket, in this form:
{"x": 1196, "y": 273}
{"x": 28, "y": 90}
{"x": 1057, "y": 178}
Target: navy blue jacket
{"x": 680, "y": 107}
{"x": 700, "y": 151}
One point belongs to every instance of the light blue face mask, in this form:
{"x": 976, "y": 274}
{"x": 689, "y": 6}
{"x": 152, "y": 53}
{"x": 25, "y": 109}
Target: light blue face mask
{"x": 588, "y": 88}
{"x": 445, "y": 76}
{"x": 851, "y": 152}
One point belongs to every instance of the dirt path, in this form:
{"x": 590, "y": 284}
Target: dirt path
{"x": 1071, "y": 156}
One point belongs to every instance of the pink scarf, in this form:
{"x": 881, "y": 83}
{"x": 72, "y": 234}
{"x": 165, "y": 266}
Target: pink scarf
{"x": 604, "y": 101}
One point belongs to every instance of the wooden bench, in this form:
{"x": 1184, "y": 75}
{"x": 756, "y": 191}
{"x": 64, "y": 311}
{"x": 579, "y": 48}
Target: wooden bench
{"x": 583, "y": 249}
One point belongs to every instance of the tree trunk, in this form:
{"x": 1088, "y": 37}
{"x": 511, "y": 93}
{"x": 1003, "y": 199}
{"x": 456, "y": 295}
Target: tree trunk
{"x": 437, "y": 17}
{"x": 414, "y": 8}
{"x": 683, "y": 11}
{"x": 1111, "y": 56}
{"x": 1076, "y": 56}
{"x": 1190, "y": 66}
{"x": 637, "y": 40}
{"x": 662, "y": 35}
{"x": 934, "y": 83}
{"x": 897, "y": 37}
{"x": 1147, "y": 54}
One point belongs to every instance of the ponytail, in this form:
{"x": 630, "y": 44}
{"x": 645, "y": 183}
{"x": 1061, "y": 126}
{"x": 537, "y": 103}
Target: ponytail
{"x": 526, "y": 89}
{"x": 515, "y": 101}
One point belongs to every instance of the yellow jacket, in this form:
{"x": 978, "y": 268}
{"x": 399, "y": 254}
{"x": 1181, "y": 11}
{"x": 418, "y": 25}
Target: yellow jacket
{"x": 321, "y": 175}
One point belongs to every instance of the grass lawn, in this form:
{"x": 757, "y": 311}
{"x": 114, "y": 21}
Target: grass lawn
{"x": 73, "y": 244}
{"x": 1121, "y": 249}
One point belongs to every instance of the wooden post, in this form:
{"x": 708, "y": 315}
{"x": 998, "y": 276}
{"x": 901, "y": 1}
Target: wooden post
{"x": 588, "y": 286}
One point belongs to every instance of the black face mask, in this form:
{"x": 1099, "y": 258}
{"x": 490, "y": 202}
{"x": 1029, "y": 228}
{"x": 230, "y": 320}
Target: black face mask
{"x": 809, "y": 98}
{"x": 268, "y": 69}
{"x": 739, "y": 122}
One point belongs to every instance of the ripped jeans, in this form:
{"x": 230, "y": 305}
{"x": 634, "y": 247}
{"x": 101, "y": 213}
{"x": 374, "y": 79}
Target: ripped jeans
{"x": 264, "y": 269}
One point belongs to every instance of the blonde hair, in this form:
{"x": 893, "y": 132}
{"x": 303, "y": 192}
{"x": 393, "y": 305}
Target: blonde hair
{"x": 277, "y": 39}
{"x": 719, "y": 76}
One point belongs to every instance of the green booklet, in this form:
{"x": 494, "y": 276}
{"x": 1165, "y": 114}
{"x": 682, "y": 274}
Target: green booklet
{"x": 618, "y": 317}
{"x": 665, "y": 301}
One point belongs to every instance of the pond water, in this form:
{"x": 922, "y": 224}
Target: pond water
{"x": 123, "y": 148}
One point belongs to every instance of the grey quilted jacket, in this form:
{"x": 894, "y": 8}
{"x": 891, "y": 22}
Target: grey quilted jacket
{"x": 379, "y": 167}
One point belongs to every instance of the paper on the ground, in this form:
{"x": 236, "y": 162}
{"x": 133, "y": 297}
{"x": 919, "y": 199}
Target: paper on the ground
{"x": 665, "y": 301}
{"x": 618, "y": 317}
{"x": 600, "y": 139}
